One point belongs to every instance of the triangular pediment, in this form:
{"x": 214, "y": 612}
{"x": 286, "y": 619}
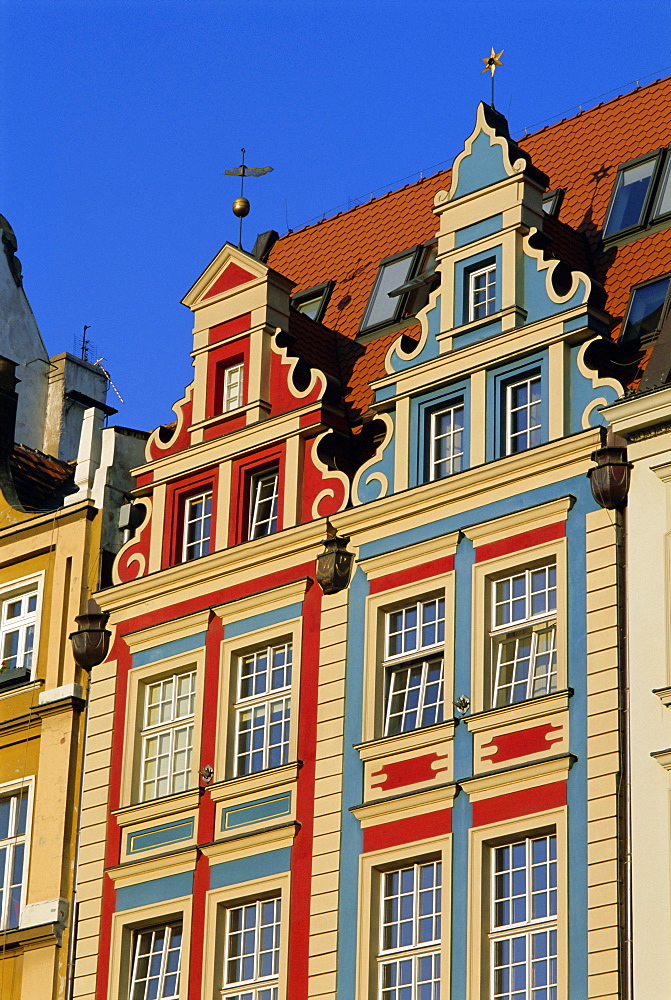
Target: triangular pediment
{"x": 230, "y": 269}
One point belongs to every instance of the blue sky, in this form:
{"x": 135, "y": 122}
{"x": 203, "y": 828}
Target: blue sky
{"x": 120, "y": 116}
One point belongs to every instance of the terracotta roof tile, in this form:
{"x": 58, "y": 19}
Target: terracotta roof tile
{"x": 40, "y": 480}
{"x": 579, "y": 154}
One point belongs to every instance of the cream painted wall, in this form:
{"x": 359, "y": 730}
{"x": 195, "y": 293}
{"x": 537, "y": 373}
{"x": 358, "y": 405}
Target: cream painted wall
{"x": 648, "y": 549}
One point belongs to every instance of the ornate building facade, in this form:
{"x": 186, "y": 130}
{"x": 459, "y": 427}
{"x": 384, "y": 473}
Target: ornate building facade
{"x": 362, "y": 731}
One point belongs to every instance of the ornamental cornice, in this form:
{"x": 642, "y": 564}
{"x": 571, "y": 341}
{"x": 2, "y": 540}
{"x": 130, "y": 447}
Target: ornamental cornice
{"x": 490, "y": 351}
{"x": 465, "y": 491}
{"x": 205, "y": 453}
{"x": 250, "y": 561}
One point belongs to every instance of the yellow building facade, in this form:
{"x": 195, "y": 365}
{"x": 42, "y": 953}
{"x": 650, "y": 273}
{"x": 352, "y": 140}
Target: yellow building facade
{"x": 53, "y": 532}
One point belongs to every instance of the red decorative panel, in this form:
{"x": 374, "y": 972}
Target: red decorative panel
{"x": 226, "y": 425}
{"x": 284, "y": 396}
{"x": 231, "y": 277}
{"x": 133, "y": 558}
{"x": 410, "y": 771}
{"x": 523, "y": 803}
{"x": 522, "y": 742}
{"x": 180, "y": 438}
{"x": 405, "y": 831}
{"x": 331, "y": 488}
{"x": 525, "y": 540}
{"x": 434, "y": 567}
{"x": 231, "y": 328}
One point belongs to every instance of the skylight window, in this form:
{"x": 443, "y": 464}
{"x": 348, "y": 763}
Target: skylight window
{"x": 640, "y": 195}
{"x": 552, "y": 201}
{"x": 313, "y": 301}
{"x": 645, "y": 309}
{"x": 384, "y": 307}
{"x": 662, "y": 204}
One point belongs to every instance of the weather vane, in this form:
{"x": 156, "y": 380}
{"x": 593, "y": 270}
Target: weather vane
{"x": 491, "y": 62}
{"x": 241, "y": 204}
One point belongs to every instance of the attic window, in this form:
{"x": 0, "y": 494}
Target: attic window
{"x": 552, "y": 201}
{"x": 645, "y": 309}
{"x": 631, "y": 200}
{"x": 388, "y": 299}
{"x": 313, "y": 301}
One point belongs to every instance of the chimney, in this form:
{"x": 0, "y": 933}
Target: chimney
{"x": 8, "y": 402}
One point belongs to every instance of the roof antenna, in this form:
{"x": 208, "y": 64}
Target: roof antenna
{"x": 491, "y": 62}
{"x": 86, "y": 344}
{"x": 241, "y": 204}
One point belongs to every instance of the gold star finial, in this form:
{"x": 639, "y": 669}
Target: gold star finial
{"x": 491, "y": 62}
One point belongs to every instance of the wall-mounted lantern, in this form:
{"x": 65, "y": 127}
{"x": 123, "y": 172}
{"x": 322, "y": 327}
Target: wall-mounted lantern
{"x": 90, "y": 644}
{"x": 334, "y": 564}
{"x": 610, "y": 476}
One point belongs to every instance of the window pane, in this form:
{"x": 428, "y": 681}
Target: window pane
{"x": 523, "y": 414}
{"x": 632, "y": 187}
{"x": 197, "y": 525}
{"x": 482, "y": 292}
{"x": 263, "y": 505}
{"x": 447, "y": 442}
{"x": 645, "y": 310}
{"x": 663, "y": 200}
{"x": 310, "y": 307}
{"x": 156, "y": 962}
{"x": 382, "y": 308}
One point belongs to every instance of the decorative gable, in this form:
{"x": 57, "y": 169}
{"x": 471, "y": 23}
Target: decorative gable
{"x": 256, "y": 432}
{"x": 509, "y": 316}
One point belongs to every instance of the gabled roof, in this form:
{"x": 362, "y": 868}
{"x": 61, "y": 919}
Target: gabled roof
{"x": 580, "y": 155}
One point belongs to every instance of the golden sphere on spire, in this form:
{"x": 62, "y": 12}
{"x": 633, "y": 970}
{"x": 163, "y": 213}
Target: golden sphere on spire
{"x": 241, "y": 207}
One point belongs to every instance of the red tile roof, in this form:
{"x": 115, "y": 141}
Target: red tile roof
{"x": 579, "y": 154}
{"x": 40, "y": 480}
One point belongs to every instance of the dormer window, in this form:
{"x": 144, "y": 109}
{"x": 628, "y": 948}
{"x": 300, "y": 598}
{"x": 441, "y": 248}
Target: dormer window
{"x": 232, "y": 388}
{"x": 552, "y": 201}
{"x": 482, "y": 291}
{"x": 263, "y": 503}
{"x": 641, "y": 194}
{"x": 645, "y": 310}
{"x": 313, "y": 301}
{"x": 384, "y": 306}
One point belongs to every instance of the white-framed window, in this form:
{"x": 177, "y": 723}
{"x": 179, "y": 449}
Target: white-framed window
{"x": 167, "y": 735}
{"x": 523, "y": 922}
{"x": 197, "y": 526}
{"x": 523, "y": 413}
{"x": 252, "y": 954}
{"x": 232, "y": 392}
{"x": 157, "y": 953}
{"x": 482, "y": 292}
{"x": 523, "y": 634}
{"x": 18, "y": 627}
{"x": 13, "y": 813}
{"x": 410, "y": 930}
{"x": 447, "y": 441}
{"x": 414, "y": 682}
{"x": 263, "y": 499}
{"x": 263, "y": 709}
